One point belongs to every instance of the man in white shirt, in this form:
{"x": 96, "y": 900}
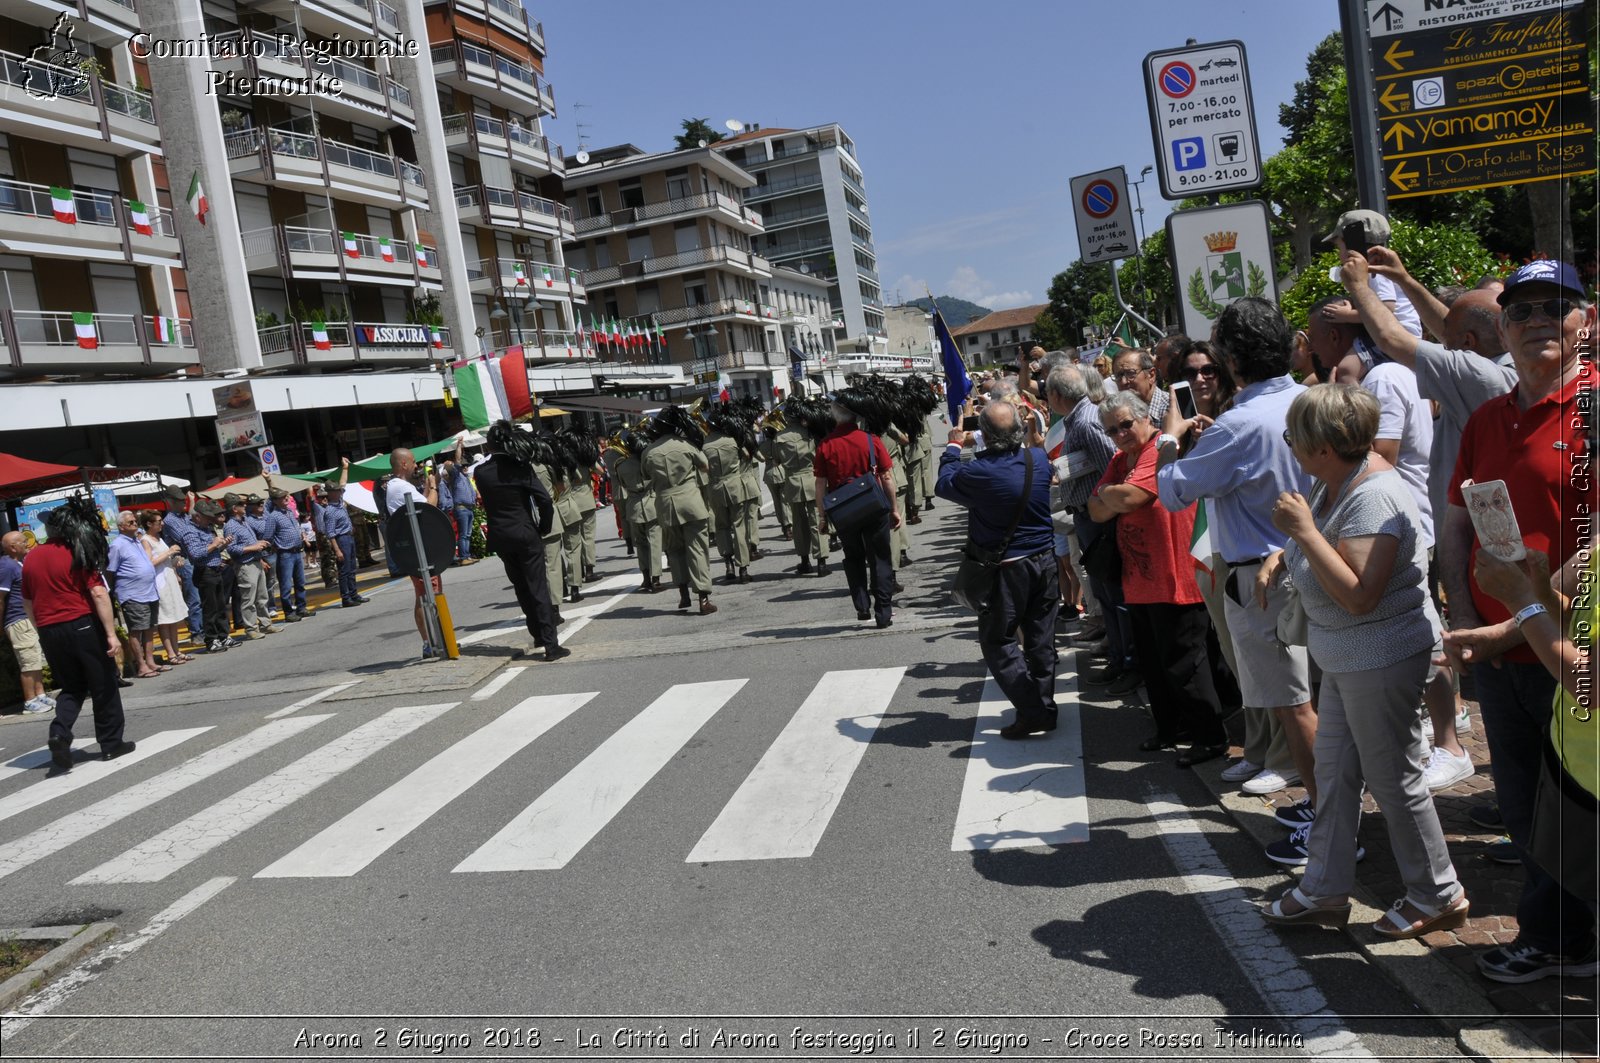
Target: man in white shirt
{"x": 403, "y": 464}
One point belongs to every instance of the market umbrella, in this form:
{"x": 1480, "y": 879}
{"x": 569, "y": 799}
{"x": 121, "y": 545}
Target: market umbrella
{"x": 257, "y": 485}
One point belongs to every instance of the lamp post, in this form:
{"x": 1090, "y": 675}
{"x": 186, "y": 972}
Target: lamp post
{"x": 498, "y": 317}
{"x": 1144, "y": 291}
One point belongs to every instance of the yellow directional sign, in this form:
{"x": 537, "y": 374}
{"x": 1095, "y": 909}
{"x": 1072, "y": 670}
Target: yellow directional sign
{"x": 1403, "y": 178}
{"x": 1394, "y": 55}
{"x": 1393, "y": 96}
{"x": 1398, "y": 132}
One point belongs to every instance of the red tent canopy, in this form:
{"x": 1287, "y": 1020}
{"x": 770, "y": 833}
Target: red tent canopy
{"x": 21, "y": 477}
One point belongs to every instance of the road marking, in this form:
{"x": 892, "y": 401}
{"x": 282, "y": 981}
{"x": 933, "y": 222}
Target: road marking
{"x": 1023, "y": 793}
{"x": 25, "y": 763}
{"x": 574, "y": 622}
{"x": 555, "y": 828}
{"x": 1274, "y": 971}
{"x": 179, "y": 845}
{"x": 577, "y": 624}
{"x": 498, "y": 683}
{"x": 306, "y": 703}
{"x": 786, "y": 802}
{"x": 51, "y": 787}
{"x": 56, "y": 993}
{"x": 55, "y": 836}
{"x": 371, "y": 830}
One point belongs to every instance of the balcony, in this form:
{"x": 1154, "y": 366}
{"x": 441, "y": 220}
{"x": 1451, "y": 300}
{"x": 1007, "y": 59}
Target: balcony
{"x": 851, "y": 183}
{"x": 857, "y": 213}
{"x": 796, "y": 216}
{"x": 364, "y": 94}
{"x": 782, "y": 188}
{"x": 279, "y": 157}
{"x": 127, "y": 126}
{"x": 791, "y": 248}
{"x": 322, "y": 254}
{"x": 473, "y": 134}
{"x": 728, "y": 210}
{"x": 103, "y": 22}
{"x": 509, "y": 83}
{"x": 327, "y": 17}
{"x": 105, "y": 230}
{"x": 367, "y": 343}
{"x": 47, "y": 341}
{"x": 746, "y": 360}
{"x": 531, "y": 278}
{"x": 731, "y": 258}
{"x": 513, "y": 209}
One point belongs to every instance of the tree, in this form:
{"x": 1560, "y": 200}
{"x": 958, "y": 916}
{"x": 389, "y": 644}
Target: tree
{"x": 694, "y": 131}
{"x": 1071, "y": 297}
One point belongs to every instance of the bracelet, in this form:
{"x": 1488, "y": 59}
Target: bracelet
{"x": 1164, "y": 438}
{"x": 1528, "y": 612}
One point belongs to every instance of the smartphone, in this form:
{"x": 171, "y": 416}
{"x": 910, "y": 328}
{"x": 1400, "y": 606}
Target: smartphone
{"x": 970, "y": 424}
{"x": 1183, "y": 395}
{"x": 1355, "y": 238}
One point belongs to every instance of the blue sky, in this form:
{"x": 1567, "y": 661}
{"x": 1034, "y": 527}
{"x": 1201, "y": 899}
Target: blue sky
{"x": 969, "y": 117}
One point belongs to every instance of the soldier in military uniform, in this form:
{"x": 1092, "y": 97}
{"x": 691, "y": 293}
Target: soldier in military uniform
{"x": 727, "y": 492}
{"x": 641, "y": 507}
{"x": 796, "y": 446}
{"x": 546, "y": 471}
{"x": 612, "y": 457}
{"x": 572, "y": 482}
{"x": 678, "y": 472}
{"x": 750, "y": 467}
{"x": 582, "y": 447}
{"x": 773, "y": 476}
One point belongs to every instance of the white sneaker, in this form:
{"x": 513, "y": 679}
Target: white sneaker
{"x": 1270, "y": 782}
{"x": 1446, "y": 769}
{"x": 1463, "y": 723}
{"x": 1241, "y": 771}
{"x": 38, "y": 705}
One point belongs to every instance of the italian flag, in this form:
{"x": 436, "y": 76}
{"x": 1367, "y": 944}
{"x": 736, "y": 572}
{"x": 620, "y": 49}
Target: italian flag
{"x": 572, "y": 276}
{"x": 422, "y": 256}
{"x": 1200, "y": 545}
{"x": 435, "y": 336}
{"x": 479, "y": 385}
{"x": 140, "y": 218}
{"x": 351, "y": 248}
{"x": 64, "y": 205}
{"x": 319, "y": 336}
{"x": 661, "y": 336}
{"x": 197, "y": 199}
{"x": 385, "y": 249}
{"x": 83, "y": 325}
{"x": 616, "y": 332}
{"x": 549, "y": 281}
{"x": 166, "y": 330}
{"x": 521, "y": 277}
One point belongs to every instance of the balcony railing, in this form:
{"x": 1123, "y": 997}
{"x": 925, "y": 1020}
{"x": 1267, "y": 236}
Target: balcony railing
{"x": 491, "y": 196}
{"x": 527, "y": 78}
{"x": 816, "y": 210}
{"x": 278, "y": 339}
{"x": 247, "y": 142}
{"x": 510, "y": 8}
{"x": 52, "y": 328}
{"x": 783, "y": 187}
{"x": 851, "y": 182}
{"x": 667, "y": 208}
{"x": 796, "y": 247}
{"x": 21, "y": 72}
{"x": 92, "y": 208}
{"x": 131, "y": 102}
{"x": 306, "y": 240}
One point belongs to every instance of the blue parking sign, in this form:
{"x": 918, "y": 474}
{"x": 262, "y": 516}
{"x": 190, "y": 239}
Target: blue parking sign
{"x": 1189, "y": 153}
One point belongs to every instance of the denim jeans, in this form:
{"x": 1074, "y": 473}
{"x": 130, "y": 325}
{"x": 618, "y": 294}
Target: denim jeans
{"x": 464, "y": 516}
{"x": 347, "y": 567}
{"x": 292, "y": 580}
{"x": 191, "y": 598}
{"x": 1515, "y": 702}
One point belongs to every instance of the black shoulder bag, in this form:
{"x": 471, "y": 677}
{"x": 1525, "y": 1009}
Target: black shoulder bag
{"x": 980, "y": 566}
{"x": 860, "y": 502}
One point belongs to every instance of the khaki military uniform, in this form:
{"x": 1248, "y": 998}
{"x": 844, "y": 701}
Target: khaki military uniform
{"x": 678, "y": 473}
{"x": 774, "y": 477}
{"x": 796, "y": 452}
{"x": 642, "y": 515}
{"x": 552, "y": 537}
{"x": 728, "y": 492}
{"x": 752, "y": 471}
{"x": 620, "y": 497}
{"x": 899, "y": 538}
{"x": 587, "y": 508}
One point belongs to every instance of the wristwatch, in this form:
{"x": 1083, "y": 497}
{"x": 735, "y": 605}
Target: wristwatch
{"x": 1164, "y": 438}
{"x": 1528, "y": 612}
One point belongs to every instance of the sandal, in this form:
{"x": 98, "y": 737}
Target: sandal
{"x": 1311, "y": 912}
{"x": 1395, "y": 927}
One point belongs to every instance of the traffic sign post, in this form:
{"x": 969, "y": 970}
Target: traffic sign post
{"x": 1477, "y": 95}
{"x": 1202, "y": 119}
{"x": 1220, "y": 254}
{"x": 269, "y": 460}
{"x": 1105, "y": 219}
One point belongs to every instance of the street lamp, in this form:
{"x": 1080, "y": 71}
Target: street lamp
{"x": 499, "y": 317}
{"x": 1144, "y": 292}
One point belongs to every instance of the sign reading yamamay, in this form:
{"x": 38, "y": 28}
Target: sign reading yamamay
{"x": 1220, "y": 254}
{"x": 1479, "y": 94}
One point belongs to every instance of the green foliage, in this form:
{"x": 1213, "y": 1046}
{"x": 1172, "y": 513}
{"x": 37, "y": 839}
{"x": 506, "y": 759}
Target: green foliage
{"x": 1437, "y": 255}
{"x": 480, "y": 545}
{"x": 694, "y": 131}
{"x": 1299, "y": 117}
{"x": 266, "y": 319}
{"x": 425, "y": 310}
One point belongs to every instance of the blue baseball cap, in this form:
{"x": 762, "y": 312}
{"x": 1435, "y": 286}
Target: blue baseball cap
{"x": 1543, "y": 271}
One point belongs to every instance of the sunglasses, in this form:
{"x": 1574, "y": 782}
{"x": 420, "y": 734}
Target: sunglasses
{"x": 1286, "y": 438}
{"x": 1207, "y": 371}
{"x": 1554, "y": 309}
{"x": 1117, "y": 430}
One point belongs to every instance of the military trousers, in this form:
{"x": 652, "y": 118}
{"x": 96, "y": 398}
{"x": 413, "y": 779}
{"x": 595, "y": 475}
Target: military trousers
{"x": 689, "y": 553}
{"x": 647, "y": 545}
{"x": 809, "y": 542}
{"x": 733, "y": 535}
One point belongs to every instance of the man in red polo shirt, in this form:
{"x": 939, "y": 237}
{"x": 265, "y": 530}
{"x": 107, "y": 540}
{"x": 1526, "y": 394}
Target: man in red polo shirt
{"x": 66, "y": 598}
{"x": 842, "y": 456}
{"x": 1535, "y": 439}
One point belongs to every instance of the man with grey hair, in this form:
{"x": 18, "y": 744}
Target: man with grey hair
{"x": 1135, "y": 370}
{"x": 1078, "y": 464}
{"x": 1009, "y": 482}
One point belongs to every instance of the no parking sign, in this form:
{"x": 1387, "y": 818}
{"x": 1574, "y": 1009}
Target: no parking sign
{"x": 269, "y": 460}
{"x": 1202, "y": 119}
{"x": 1105, "y": 224}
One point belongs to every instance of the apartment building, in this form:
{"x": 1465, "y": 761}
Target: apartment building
{"x": 812, "y": 197}
{"x": 663, "y": 242}
{"x": 998, "y": 337}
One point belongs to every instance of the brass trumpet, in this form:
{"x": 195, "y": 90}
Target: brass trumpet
{"x": 698, "y": 417}
{"x": 774, "y": 422}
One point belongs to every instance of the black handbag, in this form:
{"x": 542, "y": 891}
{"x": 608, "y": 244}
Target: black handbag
{"x": 1102, "y": 559}
{"x": 980, "y": 565}
{"x": 858, "y": 503}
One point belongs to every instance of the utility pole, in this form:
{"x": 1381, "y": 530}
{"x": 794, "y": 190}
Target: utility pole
{"x": 1363, "y": 105}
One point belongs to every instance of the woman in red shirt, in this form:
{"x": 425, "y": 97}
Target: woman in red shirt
{"x": 1164, "y": 602}
{"x": 66, "y": 598}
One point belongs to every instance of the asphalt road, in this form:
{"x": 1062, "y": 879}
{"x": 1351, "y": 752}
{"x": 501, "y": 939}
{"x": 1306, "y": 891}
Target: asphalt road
{"x": 773, "y": 822}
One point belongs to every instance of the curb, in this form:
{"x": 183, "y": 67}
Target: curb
{"x": 47, "y": 966}
{"x": 1436, "y": 987}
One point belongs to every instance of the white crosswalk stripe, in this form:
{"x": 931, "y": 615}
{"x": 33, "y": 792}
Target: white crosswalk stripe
{"x": 566, "y": 817}
{"x": 26, "y": 762}
{"x": 371, "y": 830}
{"x": 92, "y": 771}
{"x": 74, "y": 827}
{"x": 180, "y": 845}
{"x": 788, "y": 800}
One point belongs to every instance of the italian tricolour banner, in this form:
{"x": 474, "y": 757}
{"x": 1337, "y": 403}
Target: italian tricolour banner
{"x": 661, "y": 336}
{"x": 549, "y": 281}
{"x": 1200, "y": 546}
{"x": 521, "y": 277}
{"x": 140, "y": 217}
{"x": 83, "y": 325}
{"x": 476, "y": 386}
{"x": 65, "y": 207}
{"x": 197, "y": 199}
{"x": 422, "y": 256}
{"x": 319, "y": 336}
{"x": 385, "y": 249}
{"x": 435, "y": 336}
{"x": 351, "y": 248}
{"x": 166, "y": 330}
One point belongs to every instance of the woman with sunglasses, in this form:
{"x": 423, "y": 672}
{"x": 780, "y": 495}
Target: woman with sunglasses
{"x": 1209, "y": 380}
{"x": 1158, "y": 584}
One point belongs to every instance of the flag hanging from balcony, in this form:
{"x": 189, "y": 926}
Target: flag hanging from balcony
{"x": 514, "y": 383}
{"x": 385, "y": 249}
{"x": 166, "y": 330}
{"x": 65, "y": 207}
{"x": 197, "y": 199}
{"x": 549, "y": 280}
{"x": 83, "y": 325}
{"x": 351, "y": 248}
{"x": 572, "y": 277}
{"x": 478, "y": 386}
{"x": 140, "y": 218}
{"x": 422, "y": 256}
{"x": 319, "y": 336}
{"x": 436, "y": 337}
{"x": 522, "y": 278}
{"x": 957, "y": 384}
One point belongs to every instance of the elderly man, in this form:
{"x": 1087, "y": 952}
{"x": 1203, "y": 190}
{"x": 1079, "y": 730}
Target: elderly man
{"x": 134, "y": 588}
{"x": 1135, "y": 371}
{"x": 173, "y": 528}
{"x": 1085, "y": 452}
{"x": 203, "y": 548}
{"x": 998, "y": 488}
{"x": 1539, "y": 440}
{"x": 333, "y": 521}
{"x": 283, "y": 531}
{"x": 249, "y": 563}
{"x": 403, "y": 464}
{"x": 20, "y": 632}
{"x": 1242, "y": 461}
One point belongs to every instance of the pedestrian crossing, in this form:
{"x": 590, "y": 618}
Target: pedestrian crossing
{"x": 1011, "y": 794}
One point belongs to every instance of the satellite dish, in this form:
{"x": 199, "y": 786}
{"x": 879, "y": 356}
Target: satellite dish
{"x": 582, "y": 157}
{"x": 733, "y": 125}
{"x": 703, "y": 143}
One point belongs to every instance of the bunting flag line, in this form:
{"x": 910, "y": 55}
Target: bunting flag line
{"x": 64, "y": 205}
{"x": 140, "y": 218}
{"x": 422, "y": 256}
{"x": 83, "y": 325}
{"x": 385, "y": 249}
{"x": 351, "y": 248}
{"x": 196, "y": 199}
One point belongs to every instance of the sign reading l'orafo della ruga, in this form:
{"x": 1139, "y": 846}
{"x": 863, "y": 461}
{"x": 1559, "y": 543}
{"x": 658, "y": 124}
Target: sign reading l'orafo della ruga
{"x": 1220, "y": 254}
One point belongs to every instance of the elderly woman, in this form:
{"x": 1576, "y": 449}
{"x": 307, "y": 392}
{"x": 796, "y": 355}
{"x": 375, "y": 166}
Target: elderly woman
{"x": 1360, "y": 567}
{"x": 1163, "y": 600}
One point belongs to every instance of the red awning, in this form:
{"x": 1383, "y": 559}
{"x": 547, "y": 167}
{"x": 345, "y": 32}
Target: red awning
{"x": 21, "y": 477}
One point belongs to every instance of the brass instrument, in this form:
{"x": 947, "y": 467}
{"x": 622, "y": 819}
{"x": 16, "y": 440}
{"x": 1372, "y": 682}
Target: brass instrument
{"x": 774, "y": 422}
{"x": 698, "y": 417}
{"x": 615, "y": 442}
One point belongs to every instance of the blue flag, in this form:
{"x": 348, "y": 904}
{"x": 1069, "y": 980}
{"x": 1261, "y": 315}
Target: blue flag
{"x": 957, "y": 384}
